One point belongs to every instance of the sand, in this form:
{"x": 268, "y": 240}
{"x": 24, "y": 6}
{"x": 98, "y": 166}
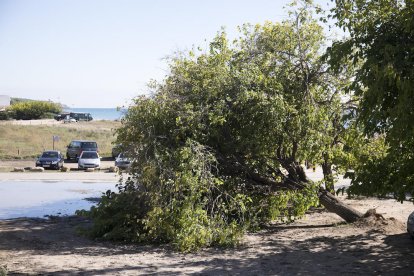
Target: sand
{"x": 320, "y": 243}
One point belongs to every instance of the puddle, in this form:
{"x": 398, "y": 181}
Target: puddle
{"x": 42, "y": 198}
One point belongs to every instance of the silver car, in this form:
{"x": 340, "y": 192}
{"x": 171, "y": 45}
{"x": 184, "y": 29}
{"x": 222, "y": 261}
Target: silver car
{"x": 89, "y": 159}
{"x": 123, "y": 162}
{"x": 410, "y": 225}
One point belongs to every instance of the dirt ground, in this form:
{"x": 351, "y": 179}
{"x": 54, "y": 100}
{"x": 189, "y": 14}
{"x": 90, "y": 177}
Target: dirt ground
{"x": 318, "y": 244}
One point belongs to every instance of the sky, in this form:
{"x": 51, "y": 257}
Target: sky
{"x": 98, "y": 53}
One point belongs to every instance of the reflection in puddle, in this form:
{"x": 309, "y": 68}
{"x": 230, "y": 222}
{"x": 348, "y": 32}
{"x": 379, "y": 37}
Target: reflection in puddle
{"x": 40, "y": 198}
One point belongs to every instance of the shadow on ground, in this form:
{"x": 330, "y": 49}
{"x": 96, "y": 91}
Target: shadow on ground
{"x": 369, "y": 253}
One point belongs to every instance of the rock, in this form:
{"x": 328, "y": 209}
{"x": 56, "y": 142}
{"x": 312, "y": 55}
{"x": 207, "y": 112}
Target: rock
{"x": 113, "y": 169}
{"x": 65, "y": 169}
{"x": 37, "y": 169}
{"x": 18, "y": 169}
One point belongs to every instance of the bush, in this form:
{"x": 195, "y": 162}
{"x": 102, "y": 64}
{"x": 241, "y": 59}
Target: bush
{"x": 33, "y": 110}
{"x": 4, "y": 115}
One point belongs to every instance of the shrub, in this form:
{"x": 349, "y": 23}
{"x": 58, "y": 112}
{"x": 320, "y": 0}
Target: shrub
{"x": 33, "y": 110}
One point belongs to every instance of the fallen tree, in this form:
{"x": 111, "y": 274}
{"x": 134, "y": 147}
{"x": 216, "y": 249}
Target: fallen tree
{"x": 219, "y": 145}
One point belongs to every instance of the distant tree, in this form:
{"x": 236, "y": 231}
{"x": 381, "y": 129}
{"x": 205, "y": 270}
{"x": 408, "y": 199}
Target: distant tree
{"x": 18, "y": 100}
{"x": 29, "y": 110}
{"x": 381, "y": 43}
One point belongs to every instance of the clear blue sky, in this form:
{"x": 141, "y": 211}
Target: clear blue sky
{"x": 96, "y": 53}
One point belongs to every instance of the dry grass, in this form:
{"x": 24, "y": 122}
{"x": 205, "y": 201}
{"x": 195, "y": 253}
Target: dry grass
{"x": 23, "y": 141}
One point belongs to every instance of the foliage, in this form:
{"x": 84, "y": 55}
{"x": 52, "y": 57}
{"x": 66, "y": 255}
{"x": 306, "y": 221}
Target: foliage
{"x": 19, "y": 100}
{"x": 3, "y": 270}
{"x": 217, "y": 147}
{"x": 30, "y": 110}
{"x": 381, "y": 43}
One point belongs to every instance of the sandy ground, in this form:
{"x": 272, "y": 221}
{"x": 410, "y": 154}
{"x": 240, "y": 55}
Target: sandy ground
{"x": 31, "y": 122}
{"x": 320, "y": 243}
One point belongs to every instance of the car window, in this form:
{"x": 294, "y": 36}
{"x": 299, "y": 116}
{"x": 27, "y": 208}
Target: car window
{"x": 89, "y": 145}
{"x": 49, "y": 154}
{"x": 89, "y": 155}
{"x": 74, "y": 144}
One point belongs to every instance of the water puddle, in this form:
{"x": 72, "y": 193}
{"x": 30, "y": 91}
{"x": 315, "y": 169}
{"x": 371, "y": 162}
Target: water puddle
{"x": 43, "y": 198}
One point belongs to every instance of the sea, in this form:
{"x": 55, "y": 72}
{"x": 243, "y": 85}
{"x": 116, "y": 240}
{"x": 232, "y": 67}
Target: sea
{"x": 111, "y": 114}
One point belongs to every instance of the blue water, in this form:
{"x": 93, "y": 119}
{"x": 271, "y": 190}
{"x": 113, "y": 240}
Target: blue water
{"x": 111, "y": 114}
{"x": 41, "y": 198}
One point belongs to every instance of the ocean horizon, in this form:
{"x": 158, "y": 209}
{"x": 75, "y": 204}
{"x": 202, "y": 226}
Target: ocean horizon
{"x": 111, "y": 114}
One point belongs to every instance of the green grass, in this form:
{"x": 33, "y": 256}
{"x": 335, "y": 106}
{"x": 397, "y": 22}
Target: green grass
{"x": 26, "y": 141}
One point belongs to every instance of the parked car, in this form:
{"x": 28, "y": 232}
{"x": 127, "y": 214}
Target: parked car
{"x": 89, "y": 159}
{"x": 122, "y": 161}
{"x": 78, "y": 116}
{"x": 50, "y": 159}
{"x": 410, "y": 225}
{"x": 69, "y": 120}
{"x": 76, "y": 147}
{"x": 62, "y": 116}
{"x": 81, "y": 116}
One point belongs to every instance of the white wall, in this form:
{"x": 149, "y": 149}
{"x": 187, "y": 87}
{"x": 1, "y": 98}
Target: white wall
{"x": 4, "y": 101}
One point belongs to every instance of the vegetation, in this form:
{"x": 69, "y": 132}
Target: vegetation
{"x": 28, "y": 141}
{"x": 381, "y": 45}
{"x": 19, "y": 100}
{"x": 218, "y": 147}
{"x": 30, "y": 110}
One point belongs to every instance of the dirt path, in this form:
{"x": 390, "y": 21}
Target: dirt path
{"x": 318, "y": 244}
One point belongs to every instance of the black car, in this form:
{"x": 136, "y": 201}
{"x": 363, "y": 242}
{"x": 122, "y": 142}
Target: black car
{"x": 76, "y": 147}
{"x": 50, "y": 159}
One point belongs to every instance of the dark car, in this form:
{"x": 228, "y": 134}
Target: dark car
{"x": 81, "y": 116}
{"x": 78, "y": 116}
{"x": 50, "y": 159}
{"x": 410, "y": 225}
{"x": 76, "y": 147}
{"x": 61, "y": 116}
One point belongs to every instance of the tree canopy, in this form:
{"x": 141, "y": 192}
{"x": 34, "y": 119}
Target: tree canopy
{"x": 218, "y": 146}
{"x": 381, "y": 44}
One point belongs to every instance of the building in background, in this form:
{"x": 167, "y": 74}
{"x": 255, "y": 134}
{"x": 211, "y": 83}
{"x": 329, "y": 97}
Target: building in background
{"x": 4, "y": 101}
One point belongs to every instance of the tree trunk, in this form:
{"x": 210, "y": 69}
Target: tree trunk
{"x": 334, "y": 205}
{"x": 328, "y": 175}
{"x": 328, "y": 200}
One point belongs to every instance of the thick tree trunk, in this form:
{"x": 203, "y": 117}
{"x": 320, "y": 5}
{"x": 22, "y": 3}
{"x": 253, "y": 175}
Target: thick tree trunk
{"x": 328, "y": 200}
{"x": 334, "y": 205}
{"x": 295, "y": 180}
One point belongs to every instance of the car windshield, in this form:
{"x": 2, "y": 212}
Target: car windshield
{"x": 50, "y": 154}
{"x": 89, "y": 155}
{"x": 89, "y": 145}
{"x": 123, "y": 156}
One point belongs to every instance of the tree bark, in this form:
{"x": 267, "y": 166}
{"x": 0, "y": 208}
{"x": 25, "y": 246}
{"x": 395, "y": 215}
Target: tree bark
{"x": 328, "y": 175}
{"x": 334, "y": 205}
{"x": 295, "y": 180}
{"x": 329, "y": 201}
